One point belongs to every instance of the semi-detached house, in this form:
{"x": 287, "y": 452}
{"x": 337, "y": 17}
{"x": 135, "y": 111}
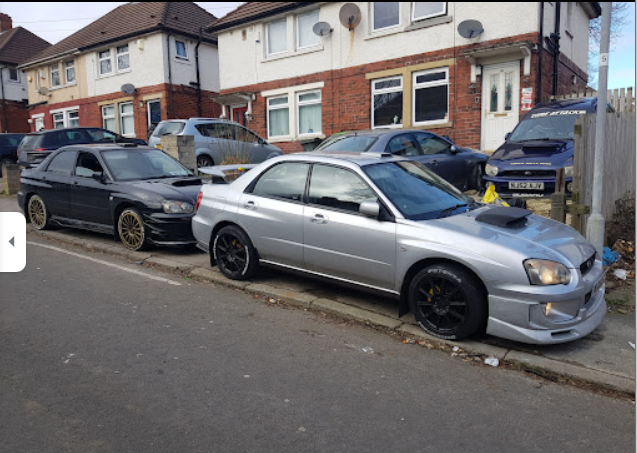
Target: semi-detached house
{"x": 128, "y": 70}
{"x": 469, "y": 70}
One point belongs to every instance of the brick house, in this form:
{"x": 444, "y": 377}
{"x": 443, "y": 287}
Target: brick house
{"x": 17, "y": 45}
{"x": 133, "y": 67}
{"x": 469, "y": 70}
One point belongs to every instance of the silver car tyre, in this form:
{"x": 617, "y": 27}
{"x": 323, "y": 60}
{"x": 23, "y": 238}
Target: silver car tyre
{"x": 234, "y": 253}
{"x": 447, "y": 301}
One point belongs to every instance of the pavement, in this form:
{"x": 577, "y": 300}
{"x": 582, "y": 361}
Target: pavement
{"x": 604, "y": 359}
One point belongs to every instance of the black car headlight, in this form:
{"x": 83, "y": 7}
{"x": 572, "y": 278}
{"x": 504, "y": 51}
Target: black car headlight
{"x": 177, "y": 207}
{"x": 546, "y": 272}
{"x": 491, "y": 170}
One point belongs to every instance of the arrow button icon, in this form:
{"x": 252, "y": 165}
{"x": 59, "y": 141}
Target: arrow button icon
{"x": 11, "y": 241}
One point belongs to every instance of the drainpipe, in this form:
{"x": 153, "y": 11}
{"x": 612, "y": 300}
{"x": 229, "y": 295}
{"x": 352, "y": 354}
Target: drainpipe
{"x": 170, "y": 77}
{"x": 538, "y": 94}
{"x": 4, "y": 105}
{"x": 199, "y": 108}
{"x": 556, "y": 46}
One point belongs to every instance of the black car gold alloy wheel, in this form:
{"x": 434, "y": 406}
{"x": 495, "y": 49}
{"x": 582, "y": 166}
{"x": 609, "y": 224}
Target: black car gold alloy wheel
{"x": 130, "y": 227}
{"x": 38, "y": 214}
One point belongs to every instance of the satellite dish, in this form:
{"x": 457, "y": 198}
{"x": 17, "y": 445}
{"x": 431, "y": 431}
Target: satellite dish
{"x": 128, "y": 88}
{"x": 44, "y": 91}
{"x": 322, "y": 28}
{"x": 470, "y": 29}
{"x": 350, "y": 16}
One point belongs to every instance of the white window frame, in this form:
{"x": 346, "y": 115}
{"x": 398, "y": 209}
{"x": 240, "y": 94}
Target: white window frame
{"x": 181, "y": 57}
{"x": 123, "y": 115}
{"x": 60, "y": 120}
{"x": 110, "y": 117}
{"x": 66, "y": 116}
{"x": 300, "y": 104}
{"x": 389, "y": 27}
{"x": 386, "y": 91}
{"x": 66, "y": 72}
{"x": 55, "y": 69}
{"x": 432, "y": 84}
{"x": 100, "y": 59}
{"x": 416, "y": 19}
{"x": 278, "y": 107}
{"x": 298, "y": 30}
{"x": 267, "y": 38}
{"x": 118, "y": 54}
{"x": 17, "y": 75}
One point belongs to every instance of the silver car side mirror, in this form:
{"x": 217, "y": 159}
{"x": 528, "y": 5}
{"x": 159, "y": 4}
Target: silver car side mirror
{"x": 370, "y": 209}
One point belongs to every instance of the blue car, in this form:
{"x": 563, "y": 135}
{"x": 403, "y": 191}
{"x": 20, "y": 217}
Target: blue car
{"x": 543, "y": 142}
{"x": 462, "y": 167}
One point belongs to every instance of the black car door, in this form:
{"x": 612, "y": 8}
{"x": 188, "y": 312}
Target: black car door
{"x": 438, "y": 156}
{"x": 90, "y": 196}
{"x": 55, "y": 189}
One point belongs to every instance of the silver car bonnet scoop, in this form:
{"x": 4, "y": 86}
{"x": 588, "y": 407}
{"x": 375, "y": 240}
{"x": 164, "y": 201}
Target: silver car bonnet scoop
{"x": 504, "y": 217}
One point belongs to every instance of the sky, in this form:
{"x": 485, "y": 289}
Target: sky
{"x": 54, "y": 21}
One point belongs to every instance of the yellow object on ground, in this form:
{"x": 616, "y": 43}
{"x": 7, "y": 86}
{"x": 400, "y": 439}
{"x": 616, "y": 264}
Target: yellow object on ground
{"x": 492, "y": 197}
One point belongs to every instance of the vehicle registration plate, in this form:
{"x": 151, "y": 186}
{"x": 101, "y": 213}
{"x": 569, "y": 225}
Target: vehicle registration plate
{"x": 527, "y": 185}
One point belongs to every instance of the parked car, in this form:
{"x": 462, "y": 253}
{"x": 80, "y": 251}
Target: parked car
{"x": 9, "y": 149}
{"x": 525, "y": 165}
{"x": 36, "y": 146}
{"x": 462, "y": 167}
{"x": 217, "y": 141}
{"x": 388, "y": 223}
{"x": 140, "y": 195}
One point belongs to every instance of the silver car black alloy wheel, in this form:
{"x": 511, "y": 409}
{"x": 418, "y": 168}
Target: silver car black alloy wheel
{"x": 442, "y": 304}
{"x": 231, "y": 253}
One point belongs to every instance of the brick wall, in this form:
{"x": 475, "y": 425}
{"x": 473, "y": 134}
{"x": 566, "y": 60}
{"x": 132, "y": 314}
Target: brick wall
{"x": 16, "y": 115}
{"x": 566, "y": 70}
{"x": 182, "y": 104}
{"x": 346, "y": 95}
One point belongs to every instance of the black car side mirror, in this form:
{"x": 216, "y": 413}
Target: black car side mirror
{"x": 454, "y": 149}
{"x": 100, "y": 177}
{"x": 506, "y": 136}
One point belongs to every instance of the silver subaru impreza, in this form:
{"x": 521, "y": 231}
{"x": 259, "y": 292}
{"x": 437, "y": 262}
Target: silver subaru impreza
{"x": 389, "y": 224}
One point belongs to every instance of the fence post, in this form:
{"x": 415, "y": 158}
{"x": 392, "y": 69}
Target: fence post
{"x": 558, "y": 199}
{"x": 576, "y": 217}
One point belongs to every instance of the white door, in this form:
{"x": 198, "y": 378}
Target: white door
{"x": 500, "y": 102}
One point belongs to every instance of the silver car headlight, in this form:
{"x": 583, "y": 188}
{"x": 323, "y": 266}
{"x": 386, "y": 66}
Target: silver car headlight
{"x": 568, "y": 171}
{"x": 177, "y": 207}
{"x": 491, "y": 170}
{"x": 546, "y": 272}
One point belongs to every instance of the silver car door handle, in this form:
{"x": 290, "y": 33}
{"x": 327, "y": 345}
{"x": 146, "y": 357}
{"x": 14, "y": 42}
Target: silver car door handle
{"x": 318, "y": 219}
{"x": 250, "y": 205}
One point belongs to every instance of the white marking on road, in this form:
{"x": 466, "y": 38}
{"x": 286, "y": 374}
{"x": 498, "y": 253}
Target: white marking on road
{"x": 106, "y": 263}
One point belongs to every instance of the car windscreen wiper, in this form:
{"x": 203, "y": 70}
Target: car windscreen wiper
{"x": 447, "y": 211}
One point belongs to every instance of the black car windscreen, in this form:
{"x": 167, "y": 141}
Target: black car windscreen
{"x": 136, "y": 164}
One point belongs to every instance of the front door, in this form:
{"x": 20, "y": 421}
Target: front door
{"x": 238, "y": 114}
{"x": 500, "y": 102}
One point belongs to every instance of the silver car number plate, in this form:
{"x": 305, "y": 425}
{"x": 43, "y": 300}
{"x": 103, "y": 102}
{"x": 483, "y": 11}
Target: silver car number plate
{"x": 527, "y": 185}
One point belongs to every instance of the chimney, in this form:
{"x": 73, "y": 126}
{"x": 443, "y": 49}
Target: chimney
{"x": 5, "y": 22}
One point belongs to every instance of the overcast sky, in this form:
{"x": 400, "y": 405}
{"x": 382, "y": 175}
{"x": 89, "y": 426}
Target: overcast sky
{"x": 55, "y": 21}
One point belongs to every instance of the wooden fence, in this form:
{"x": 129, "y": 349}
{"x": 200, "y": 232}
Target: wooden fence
{"x": 620, "y": 165}
{"x": 622, "y": 99}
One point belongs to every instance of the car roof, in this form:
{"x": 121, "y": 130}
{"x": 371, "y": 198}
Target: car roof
{"x": 338, "y": 157}
{"x": 50, "y": 131}
{"x": 105, "y": 146}
{"x": 588, "y": 104}
{"x": 200, "y": 120}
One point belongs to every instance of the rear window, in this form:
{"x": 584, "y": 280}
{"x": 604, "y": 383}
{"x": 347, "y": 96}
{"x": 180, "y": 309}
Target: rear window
{"x": 170, "y": 128}
{"x": 30, "y": 141}
{"x": 11, "y": 140}
{"x": 355, "y": 143}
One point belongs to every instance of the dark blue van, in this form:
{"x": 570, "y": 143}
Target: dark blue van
{"x": 526, "y": 164}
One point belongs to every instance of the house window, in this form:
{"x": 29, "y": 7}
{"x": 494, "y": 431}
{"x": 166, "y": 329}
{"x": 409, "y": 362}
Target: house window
{"x": 309, "y": 116}
{"x": 431, "y": 96}
{"x": 385, "y": 15}
{"x": 69, "y": 70}
{"x": 276, "y": 37}
{"x": 127, "y": 119}
{"x": 108, "y": 118}
{"x": 180, "y": 50}
{"x": 278, "y": 116}
{"x": 55, "y": 75}
{"x": 123, "y": 58}
{"x": 73, "y": 118}
{"x": 387, "y": 102}
{"x": 105, "y": 63}
{"x": 305, "y": 30}
{"x": 14, "y": 75}
{"x": 425, "y": 10}
{"x": 58, "y": 120}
